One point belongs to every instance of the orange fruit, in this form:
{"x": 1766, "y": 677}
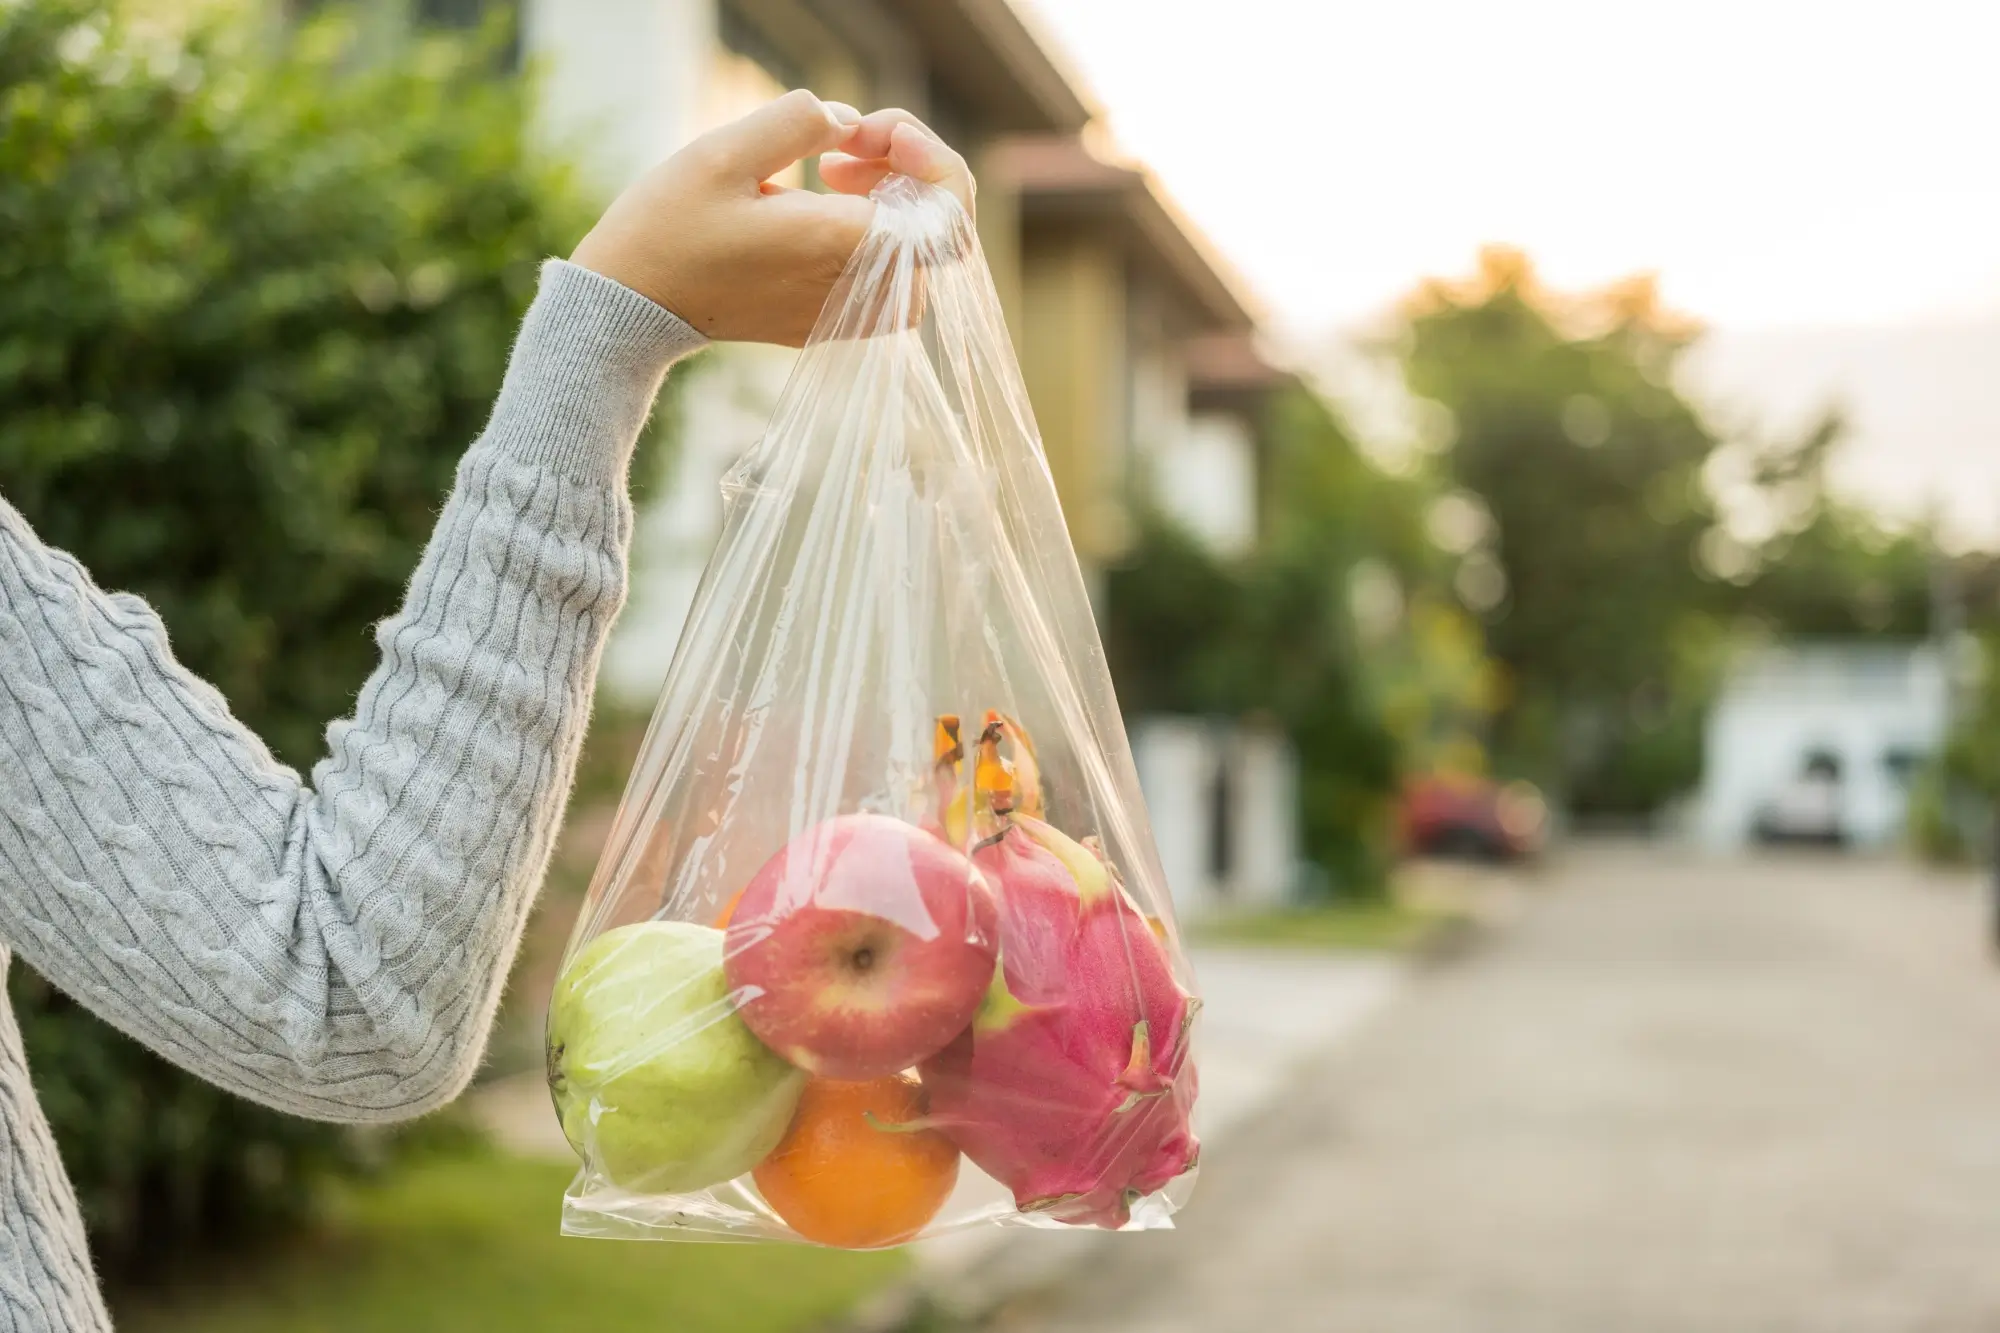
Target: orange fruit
{"x": 850, "y": 1172}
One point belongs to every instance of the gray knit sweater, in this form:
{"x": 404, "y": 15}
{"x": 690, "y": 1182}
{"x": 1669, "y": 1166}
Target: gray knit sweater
{"x": 333, "y": 949}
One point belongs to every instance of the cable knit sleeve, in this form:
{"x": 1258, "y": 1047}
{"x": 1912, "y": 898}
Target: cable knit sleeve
{"x": 335, "y": 949}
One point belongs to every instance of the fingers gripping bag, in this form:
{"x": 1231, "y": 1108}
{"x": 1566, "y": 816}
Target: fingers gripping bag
{"x": 879, "y": 945}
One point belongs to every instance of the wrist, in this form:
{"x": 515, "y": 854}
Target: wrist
{"x": 584, "y": 371}
{"x": 605, "y": 256}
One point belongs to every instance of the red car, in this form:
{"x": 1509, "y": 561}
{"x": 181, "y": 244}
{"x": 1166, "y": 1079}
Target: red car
{"x": 1471, "y": 818}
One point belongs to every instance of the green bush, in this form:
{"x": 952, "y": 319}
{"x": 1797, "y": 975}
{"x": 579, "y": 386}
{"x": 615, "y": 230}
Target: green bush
{"x": 1952, "y": 808}
{"x": 1271, "y": 634}
{"x": 1935, "y": 832}
{"x": 253, "y": 305}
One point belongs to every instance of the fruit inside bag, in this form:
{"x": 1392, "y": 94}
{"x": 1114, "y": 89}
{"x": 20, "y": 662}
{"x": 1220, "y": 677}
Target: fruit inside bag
{"x": 879, "y": 945}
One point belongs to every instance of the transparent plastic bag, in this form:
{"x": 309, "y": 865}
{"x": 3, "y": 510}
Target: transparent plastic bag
{"x": 879, "y": 945}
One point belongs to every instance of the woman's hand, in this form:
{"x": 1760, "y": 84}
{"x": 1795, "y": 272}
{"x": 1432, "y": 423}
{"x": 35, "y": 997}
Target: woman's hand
{"x": 705, "y": 235}
{"x": 895, "y": 141}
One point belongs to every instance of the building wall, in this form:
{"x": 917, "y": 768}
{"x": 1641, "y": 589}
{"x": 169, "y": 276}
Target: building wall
{"x": 1863, "y": 705}
{"x": 727, "y": 397}
{"x": 723, "y": 410}
{"x": 998, "y": 211}
{"x": 626, "y": 83}
{"x": 1073, "y": 357}
{"x": 1265, "y": 808}
{"x": 1224, "y": 805}
{"x": 1206, "y": 480}
{"x": 623, "y": 81}
{"x": 1176, "y": 763}
{"x": 1156, "y": 387}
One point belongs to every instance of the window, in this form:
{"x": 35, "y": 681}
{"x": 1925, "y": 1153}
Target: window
{"x": 1902, "y": 761}
{"x": 1206, "y": 480}
{"x": 1221, "y": 832}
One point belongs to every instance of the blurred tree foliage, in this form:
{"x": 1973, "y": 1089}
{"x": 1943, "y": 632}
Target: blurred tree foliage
{"x": 1434, "y": 683}
{"x": 1273, "y": 634}
{"x": 1556, "y": 593}
{"x": 1619, "y": 544}
{"x": 253, "y": 305}
{"x": 1825, "y": 567}
{"x": 1567, "y": 429}
{"x": 1955, "y": 798}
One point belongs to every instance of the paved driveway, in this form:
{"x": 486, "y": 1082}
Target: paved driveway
{"x": 1674, "y": 1097}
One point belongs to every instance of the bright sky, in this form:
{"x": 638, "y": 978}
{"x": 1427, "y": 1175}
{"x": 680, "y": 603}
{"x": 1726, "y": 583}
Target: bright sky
{"x": 1807, "y": 178}
{"x": 1777, "y": 161}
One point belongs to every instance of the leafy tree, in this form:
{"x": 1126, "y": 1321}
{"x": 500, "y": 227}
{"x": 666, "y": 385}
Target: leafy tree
{"x": 1173, "y": 613}
{"x": 252, "y": 308}
{"x": 1628, "y": 543}
{"x": 1435, "y": 686}
{"x": 1954, "y": 797}
{"x": 1826, "y": 568}
{"x": 1273, "y": 634}
{"x": 1567, "y": 428}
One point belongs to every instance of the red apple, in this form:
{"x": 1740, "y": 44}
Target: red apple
{"x": 863, "y": 947}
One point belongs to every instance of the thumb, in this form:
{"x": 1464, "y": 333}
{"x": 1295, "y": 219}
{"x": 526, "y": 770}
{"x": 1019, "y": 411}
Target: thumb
{"x": 777, "y": 134}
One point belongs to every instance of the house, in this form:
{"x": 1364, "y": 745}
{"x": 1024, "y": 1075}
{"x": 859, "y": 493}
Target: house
{"x": 1212, "y": 479}
{"x": 1818, "y": 740}
{"x": 1141, "y": 356}
{"x": 1115, "y": 288}
{"x": 626, "y": 82}
{"x": 1224, "y": 792}
{"x": 1137, "y": 343}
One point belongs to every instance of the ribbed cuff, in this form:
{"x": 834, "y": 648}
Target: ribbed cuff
{"x": 586, "y": 366}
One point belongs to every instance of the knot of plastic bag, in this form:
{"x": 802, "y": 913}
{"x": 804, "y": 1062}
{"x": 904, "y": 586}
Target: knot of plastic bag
{"x": 925, "y": 219}
{"x": 919, "y": 239}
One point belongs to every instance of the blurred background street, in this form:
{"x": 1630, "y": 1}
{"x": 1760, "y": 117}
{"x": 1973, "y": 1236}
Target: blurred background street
{"x": 1679, "y": 1096}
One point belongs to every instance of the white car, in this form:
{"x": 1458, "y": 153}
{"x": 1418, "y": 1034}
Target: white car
{"x": 1808, "y": 809}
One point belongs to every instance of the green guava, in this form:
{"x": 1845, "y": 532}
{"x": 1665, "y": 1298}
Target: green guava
{"x": 658, "y": 1082}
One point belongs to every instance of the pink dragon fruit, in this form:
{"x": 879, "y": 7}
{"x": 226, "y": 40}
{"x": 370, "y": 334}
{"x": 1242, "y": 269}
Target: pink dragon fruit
{"x": 1073, "y": 1085}
{"x": 1039, "y": 910}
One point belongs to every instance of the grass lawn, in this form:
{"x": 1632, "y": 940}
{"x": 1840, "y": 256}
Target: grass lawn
{"x": 1373, "y": 924}
{"x": 468, "y": 1244}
